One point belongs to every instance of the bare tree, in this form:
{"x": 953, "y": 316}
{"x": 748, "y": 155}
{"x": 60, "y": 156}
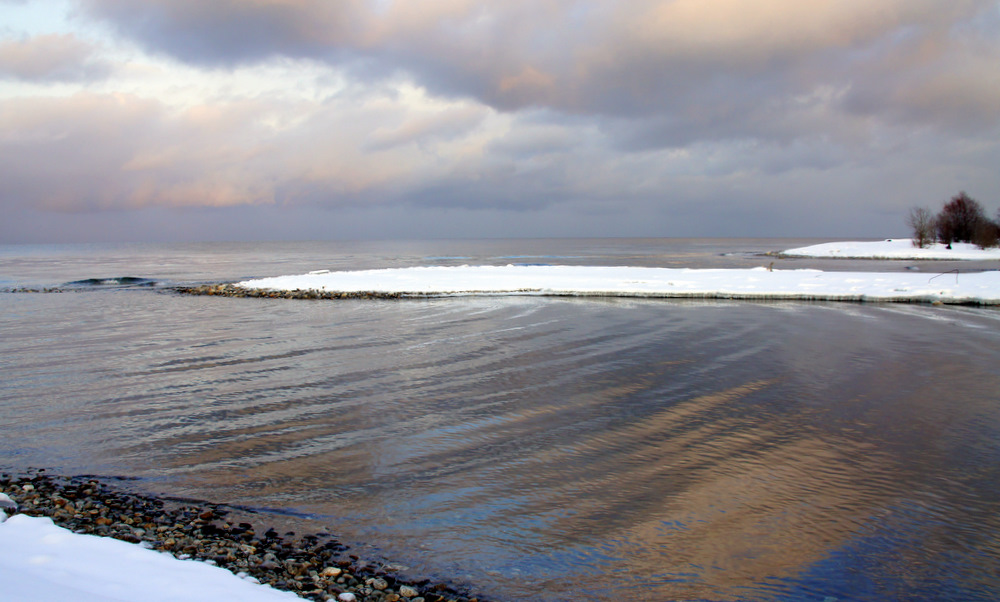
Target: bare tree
{"x": 922, "y": 222}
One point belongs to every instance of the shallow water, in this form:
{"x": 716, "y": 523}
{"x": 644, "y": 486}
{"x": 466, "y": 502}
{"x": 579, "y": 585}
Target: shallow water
{"x": 533, "y": 448}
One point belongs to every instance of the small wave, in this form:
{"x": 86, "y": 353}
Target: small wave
{"x": 121, "y": 281}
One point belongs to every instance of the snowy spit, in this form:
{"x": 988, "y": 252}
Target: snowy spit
{"x": 896, "y": 248}
{"x": 755, "y": 284}
{"x": 40, "y": 561}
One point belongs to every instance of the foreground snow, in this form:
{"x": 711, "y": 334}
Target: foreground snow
{"x": 45, "y": 563}
{"x": 896, "y": 248}
{"x": 757, "y": 283}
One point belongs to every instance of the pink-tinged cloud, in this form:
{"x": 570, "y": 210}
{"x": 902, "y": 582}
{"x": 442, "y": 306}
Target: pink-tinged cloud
{"x": 51, "y": 57}
{"x": 93, "y": 152}
{"x": 98, "y": 152}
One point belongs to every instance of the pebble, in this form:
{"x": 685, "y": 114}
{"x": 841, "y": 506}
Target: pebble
{"x": 201, "y": 531}
{"x": 6, "y": 503}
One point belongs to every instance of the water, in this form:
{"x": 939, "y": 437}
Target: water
{"x": 531, "y": 448}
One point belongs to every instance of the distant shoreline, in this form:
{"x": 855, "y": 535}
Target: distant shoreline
{"x": 892, "y": 249}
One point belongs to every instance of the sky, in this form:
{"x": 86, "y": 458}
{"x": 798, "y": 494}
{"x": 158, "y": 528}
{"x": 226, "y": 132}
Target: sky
{"x": 164, "y": 120}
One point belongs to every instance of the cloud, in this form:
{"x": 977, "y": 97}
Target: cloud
{"x": 935, "y": 79}
{"x": 690, "y": 64}
{"x": 51, "y": 57}
{"x": 101, "y": 152}
{"x": 400, "y": 151}
{"x": 229, "y": 32}
{"x": 422, "y": 128}
{"x": 556, "y": 116}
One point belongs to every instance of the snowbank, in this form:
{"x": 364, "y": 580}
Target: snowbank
{"x": 896, "y": 248}
{"x": 757, "y": 283}
{"x": 45, "y": 563}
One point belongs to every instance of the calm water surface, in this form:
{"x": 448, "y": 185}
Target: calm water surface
{"x": 532, "y": 448}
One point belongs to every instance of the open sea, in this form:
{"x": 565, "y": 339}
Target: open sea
{"x": 529, "y": 448}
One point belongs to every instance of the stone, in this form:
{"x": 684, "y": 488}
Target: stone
{"x": 407, "y": 592}
{"x": 347, "y": 597}
{"x": 377, "y": 583}
{"x": 6, "y": 503}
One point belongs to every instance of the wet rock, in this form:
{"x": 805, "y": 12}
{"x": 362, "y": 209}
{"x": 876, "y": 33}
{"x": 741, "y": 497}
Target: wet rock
{"x": 231, "y": 290}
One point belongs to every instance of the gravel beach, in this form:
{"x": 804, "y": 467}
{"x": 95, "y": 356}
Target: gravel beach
{"x": 313, "y": 566}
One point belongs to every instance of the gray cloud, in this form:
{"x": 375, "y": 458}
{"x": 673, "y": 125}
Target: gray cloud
{"x": 229, "y": 32}
{"x": 702, "y": 67}
{"x": 92, "y": 154}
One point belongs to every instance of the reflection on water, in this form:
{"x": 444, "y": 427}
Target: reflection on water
{"x": 547, "y": 449}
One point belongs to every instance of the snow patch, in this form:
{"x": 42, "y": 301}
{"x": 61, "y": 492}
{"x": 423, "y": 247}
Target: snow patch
{"x": 981, "y": 287}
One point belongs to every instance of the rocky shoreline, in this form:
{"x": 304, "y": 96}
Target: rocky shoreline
{"x": 231, "y": 290}
{"x": 313, "y": 566}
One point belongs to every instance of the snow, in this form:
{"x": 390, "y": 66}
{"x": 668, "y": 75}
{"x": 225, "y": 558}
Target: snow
{"x": 756, "y": 283}
{"x": 894, "y": 248}
{"x": 45, "y": 563}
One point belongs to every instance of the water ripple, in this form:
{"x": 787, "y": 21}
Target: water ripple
{"x": 550, "y": 449}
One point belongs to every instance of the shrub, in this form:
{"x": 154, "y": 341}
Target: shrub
{"x": 987, "y": 234}
{"x": 921, "y": 221}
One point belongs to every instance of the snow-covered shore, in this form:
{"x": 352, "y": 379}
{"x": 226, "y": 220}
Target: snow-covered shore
{"x": 895, "y": 248}
{"x": 81, "y": 539}
{"x": 46, "y": 563}
{"x": 754, "y": 284}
